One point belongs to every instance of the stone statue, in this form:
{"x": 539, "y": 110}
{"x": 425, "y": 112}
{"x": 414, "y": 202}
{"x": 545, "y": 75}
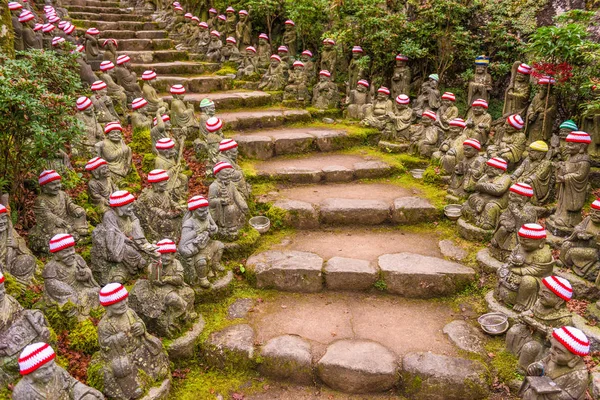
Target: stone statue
{"x": 484, "y": 206}
{"x": 536, "y": 170}
{"x": 274, "y": 78}
{"x": 161, "y": 128}
{"x": 132, "y": 359}
{"x": 203, "y": 40}
{"x": 101, "y": 186}
{"x": 450, "y": 152}
{"x": 529, "y": 338}
{"x": 47, "y": 36}
{"x": 140, "y": 118}
{"x": 43, "y": 379}
{"x": 516, "y": 96}
{"x": 182, "y": 114}
{"x": 119, "y": 248}
{"x": 571, "y": 184}
{"x": 541, "y": 112}
{"x": 31, "y": 40}
{"x": 511, "y": 144}
{"x": 290, "y": 37}
{"x": 325, "y": 93}
{"x": 15, "y": 257}
{"x": 170, "y": 160}
{"x": 264, "y": 52}
{"x": 126, "y": 78}
{"x": 518, "y": 213}
{"x": 358, "y": 101}
{"x": 309, "y": 65}
{"x": 213, "y": 52}
{"x": 481, "y": 83}
{"x": 429, "y": 95}
{"x": 159, "y": 215}
{"x": 243, "y": 30}
{"x": 530, "y": 261}
{"x": 202, "y": 254}
{"x": 149, "y": 93}
{"x": 228, "y": 152}
{"x": 93, "y": 130}
{"x": 286, "y": 60}
{"x": 230, "y": 23}
{"x": 329, "y": 56}
{"x": 558, "y": 143}
{"x": 402, "y": 120}
{"x": 92, "y": 48}
{"x": 114, "y": 91}
{"x": 164, "y": 301}
{"x": 113, "y": 149}
{"x": 68, "y": 279}
{"x": 356, "y": 71}
{"x": 103, "y": 105}
{"x": 86, "y": 73}
{"x": 297, "y": 85}
{"x": 230, "y": 52}
{"x": 447, "y": 111}
{"x": 248, "y": 66}
{"x": 424, "y": 137}
{"x": 110, "y": 52}
{"x": 402, "y": 76}
{"x": 18, "y": 328}
{"x": 15, "y": 10}
{"x": 467, "y": 171}
{"x": 580, "y": 251}
{"x": 479, "y": 121}
{"x": 380, "y": 113}
{"x": 562, "y": 374}
{"x": 55, "y": 213}
{"x": 227, "y": 205}
{"x": 212, "y": 17}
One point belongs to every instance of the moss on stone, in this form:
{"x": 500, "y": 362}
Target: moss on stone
{"x": 503, "y": 363}
{"x": 84, "y": 337}
{"x": 132, "y": 182}
{"x": 59, "y": 316}
{"x": 141, "y": 142}
{"x": 6, "y": 33}
{"x": 148, "y": 162}
{"x": 95, "y": 373}
{"x": 227, "y": 68}
{"x": 432, "y": 176}
{"x": 277, "y": 216}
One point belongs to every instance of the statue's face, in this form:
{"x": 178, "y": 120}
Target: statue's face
{"x": 114, "y": 136}
{"x": 356, "y": 56}
{"x": 243, "y": 17}
{"x": 492, "y": 171}
{"x": 563, "y": 133}
{"x": 520, "y": 77}
{"x": 3, "y": 222}
{"x": 547, "y": 298}
{"x": 67, "y": 256}
{"x": 469, "y": 151}
{"x": 167, "y": 257}
{"x": 478, "y": 110}
{"x": 508, "y": 128}
{"x": 323, "y": 78}
{"x": 209, "y": 110}
{"x": 214, "y": 39}
{"x": 536, "y": 155}
{"x": 201, "y": 213}
{"x": 517, "y": 198}
{"x": 230, "y": 45}
{"x": 282, "y": 54}
{"x": 361, "y": 88}
{"x": 426, "y": 121}
{"x": 479, "y": 69}
{"x": 400, "y": 63}
{"x": 575, "y": 148}
{"x": 143, "y": 110}
{"x": 381, "y": 96}
{"x": 117, "y": 309}
{"x": 446, "y": 103}
{"x": 530, "y": 245}
{"x": 304, "y": 58}
{"x": 160, "y": 187}
{"x": 169, "y": 153}
{"x": 125, "y": 211}
{"x": 274, "y": 63}
{"x": 233, "y": 153}
{"x": 102, "y": 171}
{"x": 89, "y": 111}
{"x": 225, "y": 175}
{"x": 455, "y": 131}
{"x": 559, "y": 353}
{"x": 433, "y": 83}
{"x": 594, "y": 215}
{"x": 44, "y": 373}
{"x": 52, "y": 188}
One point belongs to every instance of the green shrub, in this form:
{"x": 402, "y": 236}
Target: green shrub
{"x": 84, "y": 337}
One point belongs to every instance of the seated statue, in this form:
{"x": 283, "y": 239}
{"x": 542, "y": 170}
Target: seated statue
{"x": 447, "y": 111}
{"x": 161, "y": 128}
{"x": 43, "y": 379}
{"x": 182, "y": 114}
{"x": 115, "y": 151}
{"x": 132, "y": 359}
{"x": 274, "y": 78}
{"x": 518, "y": 213}
{"x": 297, "y": 85}
{"x": 114, "y": 91}
{"x": 429, "y": 96}
{"x": 230, "y": 51}
{"x": 126, "y": 78}
{"x": 159, "y": 214}
{"x": 264, "y": 52}
{"x": 380, "y": 114}
{"x": 484, "y": 206}
{"x": 213, "y": 138}
{"x": 358, "y": 101}
{"x": 562, "y": 374}
{"x": 55, "y": 213}
{"x": 325, "y": 93}
{"x": 213, "y": 52}
{"x": 149, "y": 93}
{"x": 309, "y": 65}
{"x": 140, "y": 118}
{"x": 18, "y": 328}
{"x": 101, "y": 186}
{"x": 558, "y": 143}
{"x": 329, "y": 56}
{"x": 203, "y": 39}
{"x": 450, "y": 152}
{"x": 92, "y": 48}
{"x": 248, "y": 65}
{"x": 119, "y": 248}
{"x": 580, "y": 251}
{"x": 528, "y": 339}
{"x": 402, "y": 120}
{"x": 402, "y": 77}
{"x": 530, "y": 261}
{"x": 110, "y": 53}
{"x": 228, "y": 152}
{"x": 479, "y": 121}
{"x": 424, "y": 137}
{"x": 536, "y": 170}
{"x": 93, "y": 130}
{"x": 164, "y": 301}
{"x": 31, "y": 40}
{"x": 103, "y": 105}
{"x": 480, "y": 85}
{"x": 468, "y": 170}
{"x": 511, "y": 144}
{"x": 86, "y": 74}
{"x": 201, "y": 253}
{"x": 169, "y": 160}
{"x": 67, "y": 278}
{"x": 227, "y": 205}
{"x": 15, "y": 257}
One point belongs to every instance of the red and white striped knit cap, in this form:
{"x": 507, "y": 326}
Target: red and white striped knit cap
{"x": 47, "y": 28}
{"x": 106, "y": 65}
{"x": 357, "y": 49}
{"x": 48, "y": 176}
{"x": 203, "y": 25}
{"x": 474, "y": 143}
{"x": 138, "y": 103}
{"x": 95, "y": 163}
{"x": 79, "y": 49}
{"x": 579, "y": 137}
{"x": 188, "y": 15}
{"x": 402, "y": 99}
{"x": 220, "y": 166}
{"x": 264, "y": 36}
{"x": 362, "y": 82}
{"x": 3, "y": 209}
{"x": 211, "y": 11}
{"x": 430, "y": 114}
{"x": 383, "y": 90}
{"x": 112, "y": 294}
{"x": 110, "y": 40}
{"x": 325, "y": 73}
{"x": 69, "y": 28}
{"x": 60, "y": 242}
{"x": 458, "y": 122}
{"x": 122, "y": 59}
{"x": 38, "y": 27}
{"x": 26, "y": 16}
{"x": 2, "y": 278}
{"x": 222, "y": 18}
{"x": 497, "y": 162}
{"x": 165, "y": 144}
{"x": 290, "y": 22}
{"x": 275, "y": 57}
{"x": 298, "y": 64}
{"x": 57, "y": 40}
{"x": 195, "y": 19}
{"x": 329, "y": 41}
{"x": 165, "y": 118}
{"x": 251, "y": 48}
{"x": 148, "y": 75}
{"x": 480, "y": 103}
{"x": 113, "y": 126}
{"x": 524, "y": 69}
{"x": 13, "y": 5}
{"x": 231, "y": 40}
{"x": 532, "y": 231}
{"x": 166, "y": 246}
{"x": 215, "y": 33}
{"x": 53, "y": 19}
{"x": 559, "y": 286}
{"x": 34, "y": 356}
{"x": 401, "y": 57}
{"x": 157, "y": 175}
{"x": 573, "y": 339}
{"x": 308, "y": 53}
{"x": 62, "y": 24}
{"x": 92, "y": 31}
{"x": 177, "y": 89}
{"x": 120, "y": 198}
{"x": 229, "y": 10}
{"x": 197, "y": 202}
{"x": 98, "y": 85}
{"x": 282, "y": 49}
{"x": 596, "y": 204}
{"x": 449, "y": 96}
{"x": 83, "y": 103}
{"x": 178, "y": 8}
{"x": 546, "y": 80}
{"x": 227, "y": 144}
{"x": 522, "y": 188}
{"x": 515, "y": 121}
{"x": 213, "y": 124}
{"x": 243, "y": 12}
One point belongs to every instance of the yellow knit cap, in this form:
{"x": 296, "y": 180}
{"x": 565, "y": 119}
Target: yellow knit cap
{"x": 539, "y": 146}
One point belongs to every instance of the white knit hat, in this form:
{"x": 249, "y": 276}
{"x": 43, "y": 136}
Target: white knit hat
{"x": 83, "y": 103}
{"x": 157, "y": 175}
{"x": 166, "y": 246}
{"x": 138, "y": 103}
{"x": 34, "y": 356}
{"x": 559, "y": 286}
{"x": 573, "y": 339}
{"x": 148, "y": 75}
{"x": 532, "y": 231}
{"x": 165, "y": 144}
{"x": 60, "y": 242}
{"x": 48, "y": 176}
{"x": 497, "y": 162}
{"x": 213, "y": 124}
{"x": 95, "y": 163}
{"x": 112, "y": 293}
{"x": 120, "y": 198}
{"x": 522, "y": 188}
{"x": 221, "y": 166}
{"x": 515, "y": 121}
{"x": 227, "y": 144}
{"x": 177, "y": 89}
{"x": 197, "y": 202}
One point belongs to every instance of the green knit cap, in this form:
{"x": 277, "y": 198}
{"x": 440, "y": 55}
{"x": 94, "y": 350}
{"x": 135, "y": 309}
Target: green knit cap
{"x": 568, "y": 124}
{"x": 206, "y": 103}
{"x": 435, "y": 77}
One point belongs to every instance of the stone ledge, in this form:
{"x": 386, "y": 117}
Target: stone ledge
{"x": 487, "y": 262}
{"x": 473, "y": 233}
{"x": 338, "y": 211}
{"x": 287, "y": 358}
{"x": 299, "y": 214}
{"x": 159, "y": 392}
{"x": 232, "y": 347}
{"x": 349, "y": 274}
{"x": 183, "y": 347}
{"x": 413, "y": 210}
{"x": 292, "y": 271}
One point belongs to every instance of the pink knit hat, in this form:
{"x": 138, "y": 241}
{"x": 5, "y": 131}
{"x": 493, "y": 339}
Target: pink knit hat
{"x": 559, "y": 286}
{"x": 113, "y": 126}
{"x": 26, "y": 16}
{"x": 298, "y": 64}
{"x": 57, "y": 40}
{"x": 325, "y": 73}
{"x": 579, "y": 137}
{"x": 13, "y": 5}
{"x": 573, "y": 339}
{"x": 522, "y": 188}
{"x": 220, "y": 166}
{"x": 243, "y": 12}
{"x": 165, "y": 144}
{"x": 166, "y": 246}
{"x": 122, "y": 59}
{"x": 69, "y": 28}
{"x": 524, "y": 69}
{"x": 515, "y": 121}
{"x": 230, "y": 9}
{"x": 197, "y": 202}
{"x": 148, "y": 75}
{"x": 213, "y": 124}
{"x": 430, "y": 114}
{"x": 34, "y": 356}
{"x": 307, "y": 53}
{"x": 215, "y": 33}
{"x": 106, "y": 65}
{"x": 92, "y": 31}
{"x": 383, "y": 90}
{"x": 47, "y": 28}
{"x": 95, "y": 163}
{"x": 48, "y": 176}
{"x": 60, "y": 242}
{"x": 474, "y": 143}
{"x": 458, "y": 122}
{"x": 203, "y": 25}
{"x": 282, "y": 49}
{"x": 363, "y": 82}
{"x": 138, "y": 103}
{"x": 112, "y": 294}
{"x": 99, "y": 85}
{"x": 157, "y": 175}
{"x": 290, "y": 22}
{"x": 275, "y": 57}
{"x": 83, "y": 103}
{"x": 357, "y": 49}
{"x": 449, "y": 96}
{"x": 401, "y": 57}
{"x": 231, "y": 40}
{"x": 120, "y": 198}
{"x": 3, "y": 210}
{"x": 532, "y": 231}
{"x": 251, "y": 48}
{"x": 227, "y": 144}
{"x": 263, "y": 36}
{"x": 497, "y": 162}
{"x": 480, "y": 103}
{"x": 596, "y": 204}
{"x": 402, "y": 99}
{"x": 177, "y": 89}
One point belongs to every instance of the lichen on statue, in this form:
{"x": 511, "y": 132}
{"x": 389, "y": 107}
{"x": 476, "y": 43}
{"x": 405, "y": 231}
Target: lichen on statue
{"x": 15, "y": 257}
{"x": 468, "y": 170}
{"x": 227, "y": 205}
{"x": 115, "y": 151}
{"x": 424, "y": 137}
{"x": 450, "y": 152}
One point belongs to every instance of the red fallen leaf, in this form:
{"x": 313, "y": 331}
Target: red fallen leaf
{"x": 238, "y": 396}
{"x": 491, "y": 355}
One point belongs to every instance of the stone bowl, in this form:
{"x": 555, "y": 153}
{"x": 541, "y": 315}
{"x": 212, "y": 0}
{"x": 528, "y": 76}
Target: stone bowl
{"x": 260, "y": 223}
{"x": 494, "y": 323}
{"x": 417, "y": 173}
{"x": 452, "y": 211}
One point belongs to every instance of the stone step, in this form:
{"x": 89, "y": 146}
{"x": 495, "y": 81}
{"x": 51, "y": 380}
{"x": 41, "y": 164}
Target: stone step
{"x": 405, "y": 274}
{"x": 106, "y": 17}
{"x": 148, "y": 56}
{"x": 176, "y": 67}
{"x": 113, "y": 26}
{"x": 228, "y": 100}
{"x": 194, "y": 84}
{"x": 355, "y": 203}
{"x": 264, "y": 144}
{"x": 96, "y": 9}
{"x": 316, "y": 168}
{"x": 126, "y": 45}
{"x": 127, "y": 34}
{"x": 263, "y": 118}
{"x": 92, "y": 3}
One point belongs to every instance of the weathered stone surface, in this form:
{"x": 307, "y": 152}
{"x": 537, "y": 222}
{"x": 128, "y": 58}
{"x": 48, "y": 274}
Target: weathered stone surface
{"x": 329, "y": 140}
{"x": 412, "y": 210}
{"x": 293, "y": 143}
{"x": 465, "y": 336}
{"x": 183, "y": 347}
{"x": 293, "y": 271}
{"x": 472, "y": 232}
{"x": 592, "y": 332}
{"x": 159, "y": 392}
{"x": 262, "y": 118}
{"x": 450, "y": 250}
{"x": 595, "y": 383}
{"x": 219, "y": 288}
{"x": 495, "y": 306}
{"x": 436, "y": 377}
{"x": 337, "y": 173}
{"x": 300, "y": 214}
{"x": 487, "y": 262}
{"x": 349, "y": 274}
{"x": 354, "y": 211}
{"x": 414, "y": 275}
{"x": 582, "y": 289}
{"x": 240, "y": 308}
{"x": 299, "y": 175}
{"x": 288, "y": 358}
{"x": 232, "y": 346}
{"x": 259, "y": 147}
{"x": 358, "y": 366}
{"x": 371, "y": 169}
{"x": 390, "y": 147}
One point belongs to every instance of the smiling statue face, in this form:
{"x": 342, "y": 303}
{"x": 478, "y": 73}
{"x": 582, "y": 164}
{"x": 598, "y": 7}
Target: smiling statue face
{"x": 114, "y": 136}
{"x": 547, "y": 298}
{"x": 44, "y": 373}
{"x": 201, "y": 213}
{"x": 595, "y": 215}
{"x": 125, "y": 211}
{"x": 492, "y": 171}
{"x": 559, "y": 353}
{"x": 225, "y": 175}
{"x": 67, "y": 257}
{"x": 117, "y": 309}
{"x": 52, "y": 188}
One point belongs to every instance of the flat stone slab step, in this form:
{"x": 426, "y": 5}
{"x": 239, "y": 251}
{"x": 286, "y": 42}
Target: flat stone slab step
{"x": 96, "y": 9}
{"x": 106, "y": 17}
{"x": 149, "y": 56}
{"x": 323, "y": 168}
{"x": 175, "y": 67}
{"x": 263, "y": 144}
{"x": 263, "y": 118}
{"x": 114, "y": 26}
{"x": 126, "y": 45}
{"x": 229, "y": 99}
{"x": 193, "y": 84}
{"x": 93, "y": 3}
{"x": 127, "y": 34}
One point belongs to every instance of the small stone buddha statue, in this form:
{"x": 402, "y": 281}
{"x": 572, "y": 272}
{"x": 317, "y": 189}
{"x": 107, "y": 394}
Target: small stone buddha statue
{"x": 101, "y": 186}
{"x": 536, "y": 170}
{"x": 402, "y": 76}
{"x": 541, "y": 112}
{"x": 248, "y": 66}
{"x": 231, "y": 22}
{"x": 356, "y": 70}
{"x": 201, "y": 45}
{"x": 558, "y": 143}
{"x": 31, "y": 40}
{"x": 528, "y": 339}
{"x": 309, "y": 65}
{"x": 15, "y": 257}
{"x": 182, "y": 114}
{"x": 424, "y": 137}
{"x": 264, "y": 52}
{"x": 325, "y": 93}
{"x": 286, "y": 60}
{"x": 110, "y": 46}
{"x": 429, "y": 95}
{"x": 93, "y": 130}
{"x": 126, "y": 78}
{"x": 228, "y": 152}
{"x": 115, "y": 151}
{"x": 202, "y": 253}
{"x": 450, "y": 152}
{"x": 92, "y": 48}
{"x": 103, "y": 105}
{"x": 114, "y": 91}
{"x": 243, "y": 30}
{"x": 15, "y": 10}
{"x": 297, "y": 85}
{"x": 161, "y": 127}
{"x": 530, "y": 261}
{"x": 213, "y": 52}
{"x": 511, "y": 144}
{"x": 140, "y": 117}
{"x": 290, "y": 37}
{"x": 329, "y": 56}
{"x": 227, "y": 205}
{"x": 274, "y": 78}
{"x": 230, "y": 51}
{"x": 516, "y": 96}
{"x": 447, "y": 111}
{"x": 167, "y": 159}
{"x": 402, "y": 120}
{"x": 479, "y": 121}
{"x": 481, "y": 83}
{"x": 468, "y": 170}
{"x": 149, "y": 92}
{"x": 358, "y": 101}
{"x": 380, "y": 114}
{"x": 214, "y": 136}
